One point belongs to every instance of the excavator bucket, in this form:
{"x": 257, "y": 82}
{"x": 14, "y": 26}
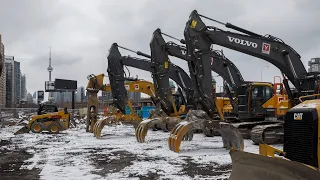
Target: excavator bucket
{"x": 23, "y": 130}
{"x": 143, "y": 127}
{"x": 99, "y": 125}
{"x": 248, "y": 166}
{"x": 182, "y": 131}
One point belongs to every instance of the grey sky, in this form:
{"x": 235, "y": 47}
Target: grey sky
{"x": 81, "y": 32}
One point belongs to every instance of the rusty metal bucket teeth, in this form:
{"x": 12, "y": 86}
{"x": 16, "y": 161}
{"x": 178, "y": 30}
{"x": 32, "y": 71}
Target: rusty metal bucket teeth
{"x": 231, "y": 136}
{"x": 142, "y": 129}
{"x": 182, "y": 131}
{"x": 247, "y": 166}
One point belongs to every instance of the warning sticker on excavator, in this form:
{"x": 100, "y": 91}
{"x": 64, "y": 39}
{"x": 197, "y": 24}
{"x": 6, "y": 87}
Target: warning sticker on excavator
{"x": 166, "y": 64}
{"x": 280, "y": 99}
{"x": 193, "y": 24}
{"x": 266, "y": 48}
{"x": 136, "y": 87}
{"x": 127, "y": 87}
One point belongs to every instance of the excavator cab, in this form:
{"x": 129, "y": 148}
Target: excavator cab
{"x": 179, "y": 104}
{"x": 252, "y": 97}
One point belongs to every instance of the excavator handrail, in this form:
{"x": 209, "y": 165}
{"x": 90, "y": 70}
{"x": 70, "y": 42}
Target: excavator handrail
{"x": 308, "y": 96}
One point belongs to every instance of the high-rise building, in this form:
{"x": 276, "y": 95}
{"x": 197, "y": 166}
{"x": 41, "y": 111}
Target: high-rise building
{"x": 13, "y": 82}
{"x": 29, "y": 98}
{"x": 3, "y": 77}
{"x": 23, "y": 88}
{"x": 314, "y": 65}
{"x": 80, "y": 95}
{"x": 106, "y": 95}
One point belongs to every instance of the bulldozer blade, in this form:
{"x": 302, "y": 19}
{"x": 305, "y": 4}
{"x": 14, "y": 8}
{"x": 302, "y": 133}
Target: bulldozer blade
{"x": 231, "y": 136}
{"x": 248, "y": 166}
{"x": 23, "y": 130}
{"x": 182, "y": 131}
{"x": 143, "y": 127}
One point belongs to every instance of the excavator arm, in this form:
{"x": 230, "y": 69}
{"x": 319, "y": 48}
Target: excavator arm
{"x": 116, "y": 79}
{"x": 176, "y": 73}
{"x": 200, "y": 94}
{"x": 202, "y": 118}
{"x": 218, "y": 62}
{"x": 142, "y": 86}
{"x": 268, "y": 48}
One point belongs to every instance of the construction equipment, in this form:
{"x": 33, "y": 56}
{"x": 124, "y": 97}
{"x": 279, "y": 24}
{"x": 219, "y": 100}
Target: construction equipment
{"x": 300, "y": 158}
{"x": 116, "y": 76}
{"x": 226, "y": 69}
{"x": 132, "y": 85}
{"x": 200, "y": 38}
{"x": 268, "y": 48}
{"x": 259, "y": 108}
{"x": 53, "y": 122}
{"x": 170, "y": 106}
{"x": 207, "y": 115}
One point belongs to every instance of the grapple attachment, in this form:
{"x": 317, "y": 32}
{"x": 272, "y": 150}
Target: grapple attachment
{"x": 143, "y": 127}
{"x": 182, "y": 131}
{"x": 98, "y": 126}
{"x": 247, "y": 166}
{"x": 198, "y": 119}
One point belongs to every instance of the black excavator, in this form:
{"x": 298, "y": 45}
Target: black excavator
{"x": 300, "y": 156}
{"x": 260, "y": 108}
{"x": 203, "y": 113}
{"x": 268, "y": 48}
{"x": 200, "y": 37}
{"x": 168, "y": 114}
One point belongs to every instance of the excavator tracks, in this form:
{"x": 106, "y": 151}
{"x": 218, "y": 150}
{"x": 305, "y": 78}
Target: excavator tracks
{"x": 268, "y": 131}
{"x": 268, "y": 134}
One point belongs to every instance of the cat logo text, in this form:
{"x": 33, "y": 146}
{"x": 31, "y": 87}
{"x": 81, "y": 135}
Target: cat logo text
{"x": 297, "y": 116}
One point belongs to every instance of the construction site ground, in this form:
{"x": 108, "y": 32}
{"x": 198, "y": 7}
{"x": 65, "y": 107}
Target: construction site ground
{"x": 76, "y": 154}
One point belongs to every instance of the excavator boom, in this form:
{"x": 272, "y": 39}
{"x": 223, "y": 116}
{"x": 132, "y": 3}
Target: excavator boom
{"x": 202, "y": 95}
{"x": 268, "y": 48}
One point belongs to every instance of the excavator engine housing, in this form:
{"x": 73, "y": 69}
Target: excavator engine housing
{"x": 302, "y": 133}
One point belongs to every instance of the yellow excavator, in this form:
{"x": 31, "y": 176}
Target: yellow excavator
{"x": 300, "y": 157}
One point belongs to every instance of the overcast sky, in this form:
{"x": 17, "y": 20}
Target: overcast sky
{"x": 80, "y": 32}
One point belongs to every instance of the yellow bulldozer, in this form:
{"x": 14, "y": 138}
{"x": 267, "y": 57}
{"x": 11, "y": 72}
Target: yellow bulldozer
{"x": 300, "y": 157}
{"x": 48, "y": 119}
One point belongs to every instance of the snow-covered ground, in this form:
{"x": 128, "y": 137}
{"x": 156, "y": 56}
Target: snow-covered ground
{"x": 75, "y": 154}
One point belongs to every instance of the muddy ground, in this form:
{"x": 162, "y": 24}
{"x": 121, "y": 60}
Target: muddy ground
{"x": 76, "y": 154}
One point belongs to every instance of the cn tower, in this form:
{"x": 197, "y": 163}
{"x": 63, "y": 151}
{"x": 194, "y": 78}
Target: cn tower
{"x": 50, "y": 69}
